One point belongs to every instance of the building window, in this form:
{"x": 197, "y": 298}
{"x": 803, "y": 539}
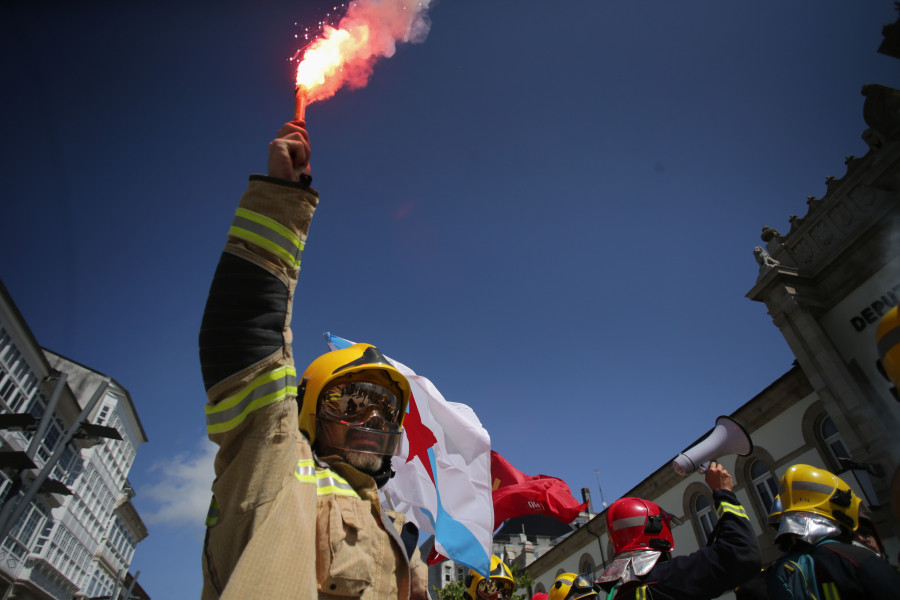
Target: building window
{"x": 764, "y": 483}
{"x": 706, "y": 517}
{"x": 19, "y": 540}
{"x": 586, "y": 565}
{"x": 833, "y": 441}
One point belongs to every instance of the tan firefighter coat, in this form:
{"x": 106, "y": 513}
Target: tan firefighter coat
{"x": 282, "y": 523}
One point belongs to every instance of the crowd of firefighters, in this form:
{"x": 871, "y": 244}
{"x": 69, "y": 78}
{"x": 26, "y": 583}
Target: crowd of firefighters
{"x": 831, "y": 550}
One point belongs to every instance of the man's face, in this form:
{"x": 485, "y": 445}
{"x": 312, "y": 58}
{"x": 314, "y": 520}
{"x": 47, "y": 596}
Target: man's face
{"x": 359, "y": 421}
{"x": 868, "y": 539}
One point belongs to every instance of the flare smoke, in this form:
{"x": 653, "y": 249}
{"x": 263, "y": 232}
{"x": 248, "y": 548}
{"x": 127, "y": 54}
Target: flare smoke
{"x": 370, "y": 29}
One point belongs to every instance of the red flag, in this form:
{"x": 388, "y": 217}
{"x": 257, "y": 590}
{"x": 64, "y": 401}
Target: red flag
{"x": 516, "y": 494}
{"x": 435, "y": 557}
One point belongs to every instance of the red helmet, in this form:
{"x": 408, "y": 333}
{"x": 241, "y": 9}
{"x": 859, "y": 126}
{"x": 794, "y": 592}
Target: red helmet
{"x": 636, "y": 524}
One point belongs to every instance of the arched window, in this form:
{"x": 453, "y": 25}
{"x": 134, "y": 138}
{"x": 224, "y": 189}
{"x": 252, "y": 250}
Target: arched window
{"x": 764, "y": 484}
{"x": 586, "y": 565}
{"x": 833, "y": 441}
{"x": 706, "y": 517}
{"x": 831, "y": 438}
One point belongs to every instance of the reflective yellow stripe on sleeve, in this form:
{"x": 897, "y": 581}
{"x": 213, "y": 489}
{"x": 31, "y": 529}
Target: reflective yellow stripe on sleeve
{"x": 212, "y": 517}
{"x": 735, "y": 509}
{"x": 327, "y": 482}
{"x": 830, "y": 591}
{"x": 266, "y": 389}
{"x": 269, "y": 234}
{"x": 641, "y": 593}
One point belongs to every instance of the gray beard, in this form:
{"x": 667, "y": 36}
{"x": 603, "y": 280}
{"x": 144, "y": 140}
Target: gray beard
{"x": 364, "y": 461}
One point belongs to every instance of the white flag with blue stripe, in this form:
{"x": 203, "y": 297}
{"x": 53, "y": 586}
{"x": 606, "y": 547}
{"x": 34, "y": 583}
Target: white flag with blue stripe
{"x": 443, "y": 472}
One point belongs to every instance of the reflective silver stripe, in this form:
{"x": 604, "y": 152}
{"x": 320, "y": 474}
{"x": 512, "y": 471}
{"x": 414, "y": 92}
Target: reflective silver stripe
{"x": 330, "y": 483}
{"x": 734, "y": 509}
{"x": 628, "y": 522}
{"x": 269, "y": 234}
{"x": 327, "y": 482}
{"x": 812, "y": 486}
{"x": 888, "y": 341}
{"x": 266, "y": 389}
{"x": 305, "y": 471}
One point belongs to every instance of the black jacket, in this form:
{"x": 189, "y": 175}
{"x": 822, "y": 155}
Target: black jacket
{"x": 731, "y": 557}
{"x": 849, "y": 572}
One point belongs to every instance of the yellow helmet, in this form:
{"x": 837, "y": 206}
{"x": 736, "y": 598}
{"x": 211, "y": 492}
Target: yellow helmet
{"x": 569, "y": 586}
{"x": 887, "y": 336}
{"x": 811, "y": 490}
{"x": 350, "y": 380}
{"x": 500, "y": 585}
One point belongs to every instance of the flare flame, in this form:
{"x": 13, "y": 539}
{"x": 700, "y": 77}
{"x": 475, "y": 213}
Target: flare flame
{"x": 370, "y": 29}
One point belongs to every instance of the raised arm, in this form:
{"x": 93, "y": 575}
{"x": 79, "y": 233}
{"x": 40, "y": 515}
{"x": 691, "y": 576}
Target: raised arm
{"x": 251, "y": 384}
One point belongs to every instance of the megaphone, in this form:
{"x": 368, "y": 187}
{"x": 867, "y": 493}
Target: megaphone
{"x": 728, "y": 437}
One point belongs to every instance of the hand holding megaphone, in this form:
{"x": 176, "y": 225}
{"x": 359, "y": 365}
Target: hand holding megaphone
{"x": 718, "y": 477}
{"x": 728, "y": 437}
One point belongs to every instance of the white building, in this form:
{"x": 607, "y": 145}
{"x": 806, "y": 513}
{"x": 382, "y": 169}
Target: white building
{"x": 71, "y": 526}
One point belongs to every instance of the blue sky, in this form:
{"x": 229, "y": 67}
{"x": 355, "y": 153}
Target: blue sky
{"x": 547, "y": 208}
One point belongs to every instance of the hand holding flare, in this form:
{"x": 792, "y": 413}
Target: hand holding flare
{"x": 289, "y": 153}
{"x": 300, "y": 98}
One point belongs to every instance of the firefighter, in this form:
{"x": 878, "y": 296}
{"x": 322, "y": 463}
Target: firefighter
{"x": 499, "y": 586}
{"x": 571, "y": 586}
{"x": 295, "y": 510}
{"x": 820, "y": 514}
{"x": 867, "y": 536}
{"x": 643, "y": 567}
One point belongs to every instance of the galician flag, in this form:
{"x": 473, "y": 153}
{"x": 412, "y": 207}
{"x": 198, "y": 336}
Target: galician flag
{"x": 443, "y": 472}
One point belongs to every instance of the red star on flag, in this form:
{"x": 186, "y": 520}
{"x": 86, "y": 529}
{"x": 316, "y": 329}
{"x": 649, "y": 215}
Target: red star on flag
{"x": 419, "y": 436}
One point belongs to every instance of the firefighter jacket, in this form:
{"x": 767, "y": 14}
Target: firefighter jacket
{"x": 283, "y": 523}
{"x": 843, "y": 571}
{"x": 731, "y": 557}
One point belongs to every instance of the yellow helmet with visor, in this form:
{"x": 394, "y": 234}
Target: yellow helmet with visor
{"x": 354, "y": 399}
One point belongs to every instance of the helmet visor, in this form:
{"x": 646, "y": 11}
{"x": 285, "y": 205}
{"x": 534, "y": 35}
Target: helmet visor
{"x": 362, "y": 403}
{"x": 356, "y": 438}
{"x": 494, "y": 589}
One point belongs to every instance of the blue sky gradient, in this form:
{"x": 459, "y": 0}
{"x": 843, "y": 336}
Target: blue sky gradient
{"x": 546, "y": 208}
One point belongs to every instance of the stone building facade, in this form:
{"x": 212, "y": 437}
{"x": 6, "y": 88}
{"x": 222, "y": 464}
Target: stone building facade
{"x": 825, "y": 283}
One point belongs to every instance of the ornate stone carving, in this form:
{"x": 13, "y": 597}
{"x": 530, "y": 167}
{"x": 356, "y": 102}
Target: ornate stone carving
{"x": 852, "y": 163}
{"x": 822, "y": 234}
{"x": 770, "y": 233}
{"x": 842, "y": 214}
{"x": 795, "y": 222}
{"x": 881, "y": 110}
{"x": 804, "y": 252}
{"x": 764, "y": 259}
{"x": 863, "y": 197}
